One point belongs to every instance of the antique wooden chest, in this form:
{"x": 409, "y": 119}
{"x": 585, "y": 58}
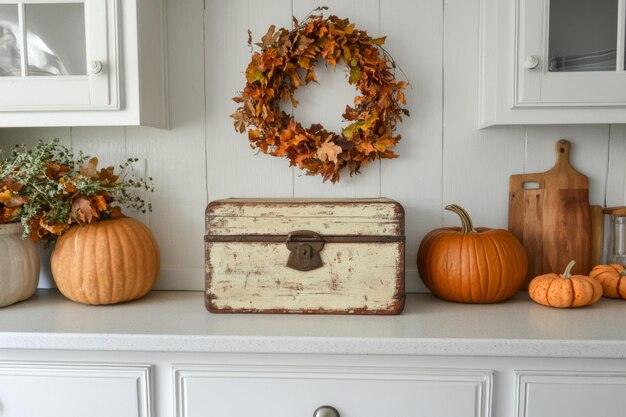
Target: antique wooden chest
{"x": 305, "y": 256}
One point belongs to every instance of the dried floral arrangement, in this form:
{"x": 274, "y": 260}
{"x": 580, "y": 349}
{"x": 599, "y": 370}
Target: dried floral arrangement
{"x": 286, "y": 61}
{"x": 47, "y": 190}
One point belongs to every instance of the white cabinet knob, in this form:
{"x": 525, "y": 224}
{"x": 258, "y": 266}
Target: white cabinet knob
{"x": 531, "y": 62}
{"x": 326, "y": 411}
{"x": 95, "y": 67}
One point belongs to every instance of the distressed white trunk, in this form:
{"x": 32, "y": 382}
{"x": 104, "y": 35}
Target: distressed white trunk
{"x": 365, "y": 277}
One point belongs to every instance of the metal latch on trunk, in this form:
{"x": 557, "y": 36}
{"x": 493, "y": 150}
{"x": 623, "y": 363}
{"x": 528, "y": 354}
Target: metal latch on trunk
{"x": 304, "y": 247}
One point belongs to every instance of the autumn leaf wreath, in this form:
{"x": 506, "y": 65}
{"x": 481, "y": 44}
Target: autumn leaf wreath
{"x": 286, "y": 61}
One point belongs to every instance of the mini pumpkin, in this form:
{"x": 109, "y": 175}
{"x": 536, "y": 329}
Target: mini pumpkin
{"x": 106, "y": 262}
{"x": 612, "y": 278}
{"x": 469, "y": 265}
{"x": 565, "y": 290}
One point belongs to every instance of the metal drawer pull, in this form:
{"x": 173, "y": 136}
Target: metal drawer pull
{"x": 326, "y": 411}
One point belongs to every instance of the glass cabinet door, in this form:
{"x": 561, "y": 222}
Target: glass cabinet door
{"x": 58, "y": 54}
{"x": 582, "y": 35}
{"x": 10, "y": 41}
{"x": 55, "y": 39}
{"x": 570, "y": 53}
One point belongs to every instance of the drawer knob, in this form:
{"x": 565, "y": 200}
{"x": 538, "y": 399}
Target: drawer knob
{"x": 95, "y": 67}
{"x": 531, "y": 62}
{"x": 326, "y": 411}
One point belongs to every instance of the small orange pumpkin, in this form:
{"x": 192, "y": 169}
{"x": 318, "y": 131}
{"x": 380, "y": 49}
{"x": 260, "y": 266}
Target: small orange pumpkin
{"x": 470, "y": 265}
{"x": 106, "y": 262}
{"x": 612, "y": 278}
{"x": 565, "y": 290}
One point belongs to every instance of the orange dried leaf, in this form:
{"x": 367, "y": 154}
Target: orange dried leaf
{"x": 16, "y": 201}
{"x": 5, "y": 196}
{"x": 55, "y": 229}
{"x": 365, "y": 147}
{"x": 328, "y": 151}
{"x": 270, "y": 37}
{"x": 383, "y": 143}
{"x": 69, "y": 186}
{"x": 101, "y": 203}
{"x": 81, "y": 207}
{"x": 115, "y": 212}
{"x": 89, "y": 171}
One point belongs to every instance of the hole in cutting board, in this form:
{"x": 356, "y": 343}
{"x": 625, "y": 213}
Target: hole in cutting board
{"x": 530, "y": 185}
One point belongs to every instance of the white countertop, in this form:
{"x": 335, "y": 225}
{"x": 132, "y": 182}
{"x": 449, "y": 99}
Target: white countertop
{"x": 171, "y": 321}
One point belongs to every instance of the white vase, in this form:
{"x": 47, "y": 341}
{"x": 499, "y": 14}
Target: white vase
{"x": 19, "y": 265}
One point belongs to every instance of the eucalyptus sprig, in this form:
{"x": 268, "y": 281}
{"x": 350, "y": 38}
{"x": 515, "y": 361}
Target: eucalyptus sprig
{"x": 48, "y": 189}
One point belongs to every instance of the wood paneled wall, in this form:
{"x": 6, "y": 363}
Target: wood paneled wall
{"x": 444, "y": 158}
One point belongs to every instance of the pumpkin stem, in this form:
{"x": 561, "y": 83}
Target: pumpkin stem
{"x": 466, "y": 221}
{"x": 568, "y": 269}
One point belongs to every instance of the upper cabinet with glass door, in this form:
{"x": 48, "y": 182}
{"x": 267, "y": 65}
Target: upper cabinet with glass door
{"x": 82, "y": 62}
{"x": 553, "y": 61}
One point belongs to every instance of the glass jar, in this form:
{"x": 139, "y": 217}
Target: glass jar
{"x": 615, "y": 243}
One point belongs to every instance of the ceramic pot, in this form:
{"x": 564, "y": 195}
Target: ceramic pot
{"x": 19, "y": 265}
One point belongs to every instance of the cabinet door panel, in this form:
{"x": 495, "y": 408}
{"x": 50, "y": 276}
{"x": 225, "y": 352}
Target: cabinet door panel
{"x": 354, "y": 392}
{"x": 67, "y": 58}
{"x": 570, "y": 394}
{"x": 561, "y": 62}
{"x": 19, "y": 92}
{"x": 61, "y": 390}
{"x": 552, "y": 62}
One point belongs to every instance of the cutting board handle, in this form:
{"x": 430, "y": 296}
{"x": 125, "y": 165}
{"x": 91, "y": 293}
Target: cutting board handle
{"x": 562, "y": 151}
{"x": 564, "y": 168}
{"x": 517, "y": 182}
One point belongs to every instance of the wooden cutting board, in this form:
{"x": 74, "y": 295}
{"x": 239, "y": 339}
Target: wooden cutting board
{"x": 549, "y": 214}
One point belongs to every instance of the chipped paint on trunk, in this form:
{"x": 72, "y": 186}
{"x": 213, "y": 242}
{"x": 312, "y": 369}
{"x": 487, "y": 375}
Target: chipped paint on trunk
{"x": 344, "y": 217}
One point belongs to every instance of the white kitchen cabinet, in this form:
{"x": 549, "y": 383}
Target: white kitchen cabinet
{"x": 552, "y": 62}
{"x": 62, "y": 389}
{"x": 82, "y": 62}
{"x": 288, "y": 391}
{"x": 165, "y": 355}
{"x": 570, "y": 394}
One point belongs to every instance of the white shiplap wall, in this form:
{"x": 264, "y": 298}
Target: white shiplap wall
{"x": 444, "y": 156}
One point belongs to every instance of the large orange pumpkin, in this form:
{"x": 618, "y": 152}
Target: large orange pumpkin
{"x": 106, "y": 262}
{"x": 470, "y": 265}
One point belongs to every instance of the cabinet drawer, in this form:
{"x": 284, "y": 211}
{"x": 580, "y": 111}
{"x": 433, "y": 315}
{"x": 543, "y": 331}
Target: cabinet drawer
{"x": 29, "y": 389}
{"x": 264, "y": 391}
{"x": 570, "y": 394}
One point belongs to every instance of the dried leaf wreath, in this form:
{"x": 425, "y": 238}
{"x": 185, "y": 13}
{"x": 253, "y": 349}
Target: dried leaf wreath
{"x": 286, "y": 61}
